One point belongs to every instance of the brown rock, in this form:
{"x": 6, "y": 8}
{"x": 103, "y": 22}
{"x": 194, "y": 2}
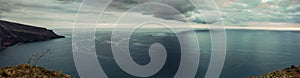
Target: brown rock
{"x": 291, "y": 72}
{"x": 29, "y": 71}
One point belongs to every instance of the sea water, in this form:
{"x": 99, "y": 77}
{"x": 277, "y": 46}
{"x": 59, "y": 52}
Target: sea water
{"x": 249, "y": 52}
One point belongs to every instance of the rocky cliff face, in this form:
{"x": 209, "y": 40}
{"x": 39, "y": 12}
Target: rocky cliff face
{"x": 13, "y": 33}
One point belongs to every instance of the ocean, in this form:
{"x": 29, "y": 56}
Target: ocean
{"x": 248, "y": 53}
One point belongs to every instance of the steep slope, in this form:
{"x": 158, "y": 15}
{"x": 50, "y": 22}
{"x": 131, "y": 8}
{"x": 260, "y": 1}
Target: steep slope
{"x": 13, "y": 33}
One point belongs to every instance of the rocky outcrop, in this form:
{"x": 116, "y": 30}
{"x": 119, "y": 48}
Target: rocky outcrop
{"x": 29, "y": 71}
{"x": 290, "y": 72}
{"x": 13, "y": 33}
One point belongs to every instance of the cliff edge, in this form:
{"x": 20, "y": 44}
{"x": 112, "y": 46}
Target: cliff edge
{"x": 13, "y": 33}
{"x": 290, "y": 72}
{"x": 29, "y": 71}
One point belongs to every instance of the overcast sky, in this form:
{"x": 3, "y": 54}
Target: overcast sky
{"x": 61, "y": 13}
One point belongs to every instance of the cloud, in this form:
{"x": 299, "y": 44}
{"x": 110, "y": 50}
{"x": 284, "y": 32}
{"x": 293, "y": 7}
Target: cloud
{"x": 44, "y": 13}
{"x": 234, "y": 12}
{"x": 159, "y": 11}
{"x": 6, "y": 6}
{"x": 68, "y": 1}
{"x": 182, "y": 6}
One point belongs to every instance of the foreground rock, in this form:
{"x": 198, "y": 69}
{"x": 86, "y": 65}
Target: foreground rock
{"x": 291, "y": 72}
{"x": 29, "y": 71}
{"x": 13, "y": 33}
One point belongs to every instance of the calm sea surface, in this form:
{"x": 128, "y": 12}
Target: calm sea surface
{"x": 249, "y": 52}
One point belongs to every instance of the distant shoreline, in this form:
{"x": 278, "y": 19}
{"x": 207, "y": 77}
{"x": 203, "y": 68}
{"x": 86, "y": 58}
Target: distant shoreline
{"x": 251, "y": 26}
{"x": 206, "y": 29}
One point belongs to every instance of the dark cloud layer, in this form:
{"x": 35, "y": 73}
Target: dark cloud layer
{"x": 234, "y": 12}
{"x": 159, "y": 11}
{"x": 182, "y": 6}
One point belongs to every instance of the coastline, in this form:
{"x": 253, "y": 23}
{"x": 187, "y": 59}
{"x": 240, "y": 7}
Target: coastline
{"x": 290, "y": 72}
{"x": 12, "y": 33}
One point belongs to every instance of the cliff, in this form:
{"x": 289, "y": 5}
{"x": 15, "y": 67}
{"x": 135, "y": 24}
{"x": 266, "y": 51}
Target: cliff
{"x": 290, "y": 72}
{"x": 13, "y": 33}
{"x": 29, "y": 71}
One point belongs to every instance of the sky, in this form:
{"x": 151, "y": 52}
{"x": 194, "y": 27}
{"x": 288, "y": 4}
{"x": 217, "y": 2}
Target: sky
{"x": 241, "y": 13}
